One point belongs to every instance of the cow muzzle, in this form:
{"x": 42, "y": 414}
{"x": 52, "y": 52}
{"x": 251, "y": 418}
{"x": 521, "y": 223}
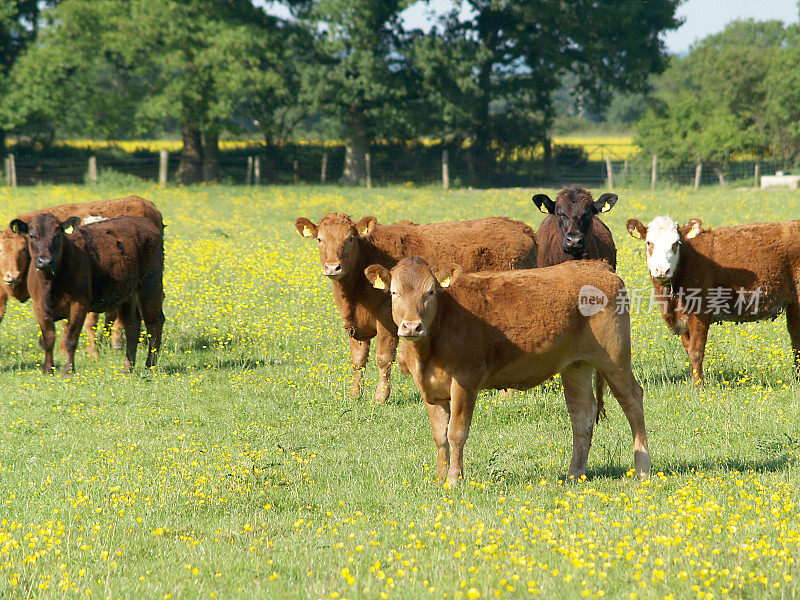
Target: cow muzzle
{"x": 411, "y": 330}
{"x": 574, "y": 244}
{"x": 46, "y": 265}
{"x": 12, "y": 278}
{"x": 333, "y": 270}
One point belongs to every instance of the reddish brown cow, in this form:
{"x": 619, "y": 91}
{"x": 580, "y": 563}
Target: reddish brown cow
{"x": 572, "y": 229}
{"x": 346, "y": 248}
{"x": 112, "y": 264}
{"x": 466, "y": 333}
{"x": 14, "y": 257}
{"x": 701, "y": 276}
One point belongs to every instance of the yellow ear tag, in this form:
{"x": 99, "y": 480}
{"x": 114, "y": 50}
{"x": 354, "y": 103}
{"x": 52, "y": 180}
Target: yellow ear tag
{"x": 446, "y": 282}
{"x": 307, "y": 232}
{"x": 693, "y": 233}
{"x": 366, "y": 231}
{"x": 606, "y": 207}
{"x": 379, "y": 284}
{"x": 68, "y": 229}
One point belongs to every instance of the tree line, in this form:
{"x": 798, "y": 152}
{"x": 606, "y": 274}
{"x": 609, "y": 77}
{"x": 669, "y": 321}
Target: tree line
{"x": 484, "y": 74}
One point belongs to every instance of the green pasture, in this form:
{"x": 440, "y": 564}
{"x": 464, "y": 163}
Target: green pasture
{"x": 240, "y": 467}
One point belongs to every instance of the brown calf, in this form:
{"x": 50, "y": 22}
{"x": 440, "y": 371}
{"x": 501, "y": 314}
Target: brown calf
{"x": 744, "y": 273}
{"x": 465, "y": 333}
{"x": 572, "y": 229}
{"x": 112, "y": 264}
{"x": 346, "y": 248}
{"x": 14, "y": 257}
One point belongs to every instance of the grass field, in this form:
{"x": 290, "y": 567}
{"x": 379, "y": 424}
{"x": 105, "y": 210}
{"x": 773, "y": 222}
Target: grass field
{"x": 241, "y": 468}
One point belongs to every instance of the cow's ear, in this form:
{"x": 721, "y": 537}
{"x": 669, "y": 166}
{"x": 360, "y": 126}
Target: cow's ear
{"x": 691, "y": 228}
{"x": 636, "y": 229}
{"x": 448, "y": 275}
{"x": 366, "y": 226}
{"x": 305, "y": 227}
{"x": 71, "y": 224}
{"x": 379, "y": 277}
{"x": 18, "y": 226}
{"x": 605, "y": 202}
{"x": 544, "y": 204}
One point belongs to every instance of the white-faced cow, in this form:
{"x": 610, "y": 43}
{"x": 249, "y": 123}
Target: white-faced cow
{"x": 701, "y": 276}
{"x": 462, "y": 333}
{"x": 572, "y": 230}
{"x": 347, "y": 247}
{"x": 115, "y": 264}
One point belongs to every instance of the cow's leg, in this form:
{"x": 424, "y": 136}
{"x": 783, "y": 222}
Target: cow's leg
{"x": 77, "y": 316}
{"x": 439, "y": 414}
{"x": 698, "y": 335}
{"x": 582, "y": 408}
{"x": 91, "y": 335}
{"x": 359, "y": 352}
{"x": 384, "y": 356}
{"x": 116, "y": 329}
{"x": 132, "y": 324}
{"x": 793, "y": 325}
{"x": 151, "y": 311}
{"x": 630, "y": 396}
{"x": 462, "y": 405}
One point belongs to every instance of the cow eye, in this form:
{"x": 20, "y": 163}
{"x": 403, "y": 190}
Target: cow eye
{"x": 675, "y": 247}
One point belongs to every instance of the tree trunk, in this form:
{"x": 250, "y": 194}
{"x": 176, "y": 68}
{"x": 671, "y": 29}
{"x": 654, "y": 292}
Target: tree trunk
{"x": 549, "y": 165}
{"x": 355, "y": 149}
{"x": 211, "y": 168}
{"x": 2, "y": 142}
{"x": 190, "y": 169}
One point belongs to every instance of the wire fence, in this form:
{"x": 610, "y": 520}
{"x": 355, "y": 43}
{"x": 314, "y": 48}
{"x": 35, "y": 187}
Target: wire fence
{"x": 392, "y": 165}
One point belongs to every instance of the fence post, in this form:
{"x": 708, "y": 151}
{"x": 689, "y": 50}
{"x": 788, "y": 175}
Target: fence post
{"x": 163, "y": 166}
{"x": 368, "y": 165}
{"x": 257, "y": 170}
{"x": 12, "y": 170}
{"x": 323, "y": 176}
{"x": 295, "y": 175}
{"x": 654, "y": 173}
{"x": 7, "y": 170}
{"x": 445, "y": 170}
{"x": 92, "y": 175}
{"x": 610, "y": 171}
{"x": 249, "y": 175}
{"x": 757, "y": 175}
{"x": 698, "y": 174}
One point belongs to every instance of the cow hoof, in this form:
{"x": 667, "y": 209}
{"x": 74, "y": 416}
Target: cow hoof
{"x": 382, "y": 393}
{"x": 355, "y": 391}
{"x": 93, "y": 353}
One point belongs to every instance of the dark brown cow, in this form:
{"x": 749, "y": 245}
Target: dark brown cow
{"x": 700, "y": 276}
{"x": 346, "y": 248}
{"x": 112, "y": 264}
{"x": 572, "y": 229}
{"x": 465, "y": 333}
{"x": 14, "y": 257}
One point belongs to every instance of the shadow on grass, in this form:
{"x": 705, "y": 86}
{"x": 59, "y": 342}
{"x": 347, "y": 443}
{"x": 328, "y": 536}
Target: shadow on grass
{"x": 21, "y": 367}
{"x": 669, "y": 467}
{"x": 715, "y": 377}
{"x": 229, "y": 364}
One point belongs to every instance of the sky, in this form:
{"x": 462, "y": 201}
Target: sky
{"x": 701, "y": 17}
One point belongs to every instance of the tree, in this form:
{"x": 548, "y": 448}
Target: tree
{"x": 782, "y": 86}
{"x": 506, "y": 61}
{"x": 358, "y": 76}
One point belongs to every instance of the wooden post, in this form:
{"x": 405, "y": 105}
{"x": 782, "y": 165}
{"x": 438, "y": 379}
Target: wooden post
{"x": 368, "y": 165}
{"x": 257, "y": 170}
{"x": 654, "y": 173}
{"x": 249, "y": 170}
{"x": 163, "y": 167}
{"x": 445, "y": 170}
{"x": 92, "y": 175}
{"x": 12, "y": 170}
{"x": 757, "y": 176}
{"x": 295, "y": 175}
{"x": 698, "y": 174}
{"x": 323, "y": 176}
{"x": 7, "y": 170}
{"x": 610, "y": 171}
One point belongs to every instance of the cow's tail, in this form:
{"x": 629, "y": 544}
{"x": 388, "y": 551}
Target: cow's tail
{"x": 599, "y": 391}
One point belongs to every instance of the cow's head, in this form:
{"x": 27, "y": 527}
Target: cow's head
{"x": 46, "y": 236}
{"x": 663, "y": 238}
{"x": 14, "y": 258}
{"x": 338, "y": 237}
{"x": 414, "y": 289}
{"x": 574, "y": 209}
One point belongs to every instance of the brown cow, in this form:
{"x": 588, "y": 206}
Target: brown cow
{"x": 112, "y": 264}
{"x": 572, "y": 229}
{"x": 701, "y": 276}
{"x": 14, "y": 257}
{"x": 515, "y": 329}
{"x": 346, "y": 248}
